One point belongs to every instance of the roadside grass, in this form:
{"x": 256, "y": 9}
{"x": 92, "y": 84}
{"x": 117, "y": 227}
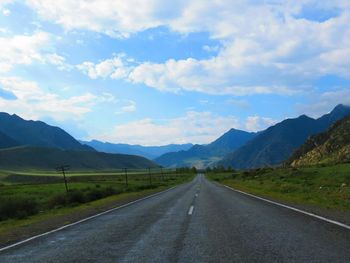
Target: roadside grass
{"x": 23, "y": 196}
{"x": 12, "y": 229}
{"x": 324, "y": 187}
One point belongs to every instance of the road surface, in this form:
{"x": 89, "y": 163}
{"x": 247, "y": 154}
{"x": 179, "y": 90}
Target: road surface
{"x": 196, "y": 222}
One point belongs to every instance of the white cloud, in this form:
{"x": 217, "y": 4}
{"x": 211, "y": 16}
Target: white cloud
{"x": 32, "y": 102}
{"x": 114, "y": 68}
{"x": 195, "y": 127}
{"x": 21, "y": 49}
{"x": 242, "y": 104}
{"x": 265, "y": 47}
{"x": 129, "y": 107}
{"x": 211, "y": 48}
{"x": 27, "y": 49}
{"x": 112, "y": 17}
{"x": 58, "y": 61}
{"x": 257, "y": 123}
{"x": 322, "y": 103}
{"x": 6, "y": 12}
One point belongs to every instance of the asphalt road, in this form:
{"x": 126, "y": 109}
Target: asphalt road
{"x": 196, "y": 222}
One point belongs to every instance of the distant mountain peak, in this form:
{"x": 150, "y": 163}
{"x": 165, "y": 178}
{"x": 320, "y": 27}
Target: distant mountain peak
{"x": 340, "y": 108}
{"x": 37, "y": 133}
{"x": 278, "y": 142}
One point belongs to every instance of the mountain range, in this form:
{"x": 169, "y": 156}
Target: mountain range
{"x": 31, "y": 157}
{"x": 330, "y": 147}
{"x": 205, "y": 155}
{"x": 17, "y": 131}
{"x": 37, "y": 145}
{"x": 150, "y": 152}
{"x": 275, "y": 145}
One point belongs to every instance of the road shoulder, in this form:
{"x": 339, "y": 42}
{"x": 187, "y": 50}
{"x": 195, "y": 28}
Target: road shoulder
{"x": 36, "y": 225}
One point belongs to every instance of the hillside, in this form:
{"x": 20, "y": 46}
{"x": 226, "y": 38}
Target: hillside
{"x": 6, "y": 141}
{"x": 330, "y": 147}
{"x": 205, "y": 155}
{"x": 26, "y": 157}
{"x": 37, "y": 133}
{"x": 150, "y": 152}
{"x": 277, "y": 143}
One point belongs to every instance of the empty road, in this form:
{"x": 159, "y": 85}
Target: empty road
{"x": 196, "y": 222}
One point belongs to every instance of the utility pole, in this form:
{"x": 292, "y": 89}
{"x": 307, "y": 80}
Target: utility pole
{"x": 161, "y": 169}
{"x": 126, "y": 177}
{"x": 63, "y": 169}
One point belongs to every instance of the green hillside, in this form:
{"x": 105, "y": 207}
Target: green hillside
{"x": 26, "y": 157}
{"x": 277, "y": 143}
{"x": 37, "y": 133}
{"x": 330, "y": 147}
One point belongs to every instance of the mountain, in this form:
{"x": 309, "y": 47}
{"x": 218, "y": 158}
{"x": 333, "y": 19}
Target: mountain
{"x": 330, "y": 147}
{"x": 29, "y": 157}
{"x": 274, "y": 145}
{"x": 37, "y": 133}
{"x": 6, "y": 141}
{"x": 150, "y": 152}
{"x": 205, "y": 155}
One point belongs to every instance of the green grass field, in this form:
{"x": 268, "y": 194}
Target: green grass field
{"x": 27, "y": 193}
{"x": 325, "y": 187}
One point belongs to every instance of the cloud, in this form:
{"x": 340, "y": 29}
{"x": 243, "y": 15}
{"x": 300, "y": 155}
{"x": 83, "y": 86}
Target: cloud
{"x": 27, "y": 49}
{"x": 114, "y": 18}
{"x": 129, "y": 107}
{"x": 114, "y": 68}
{"x": 241, "y": 104}
{"x": 195, "y": 127}
{"x": 257, "y": 123}
{"x": 211, "y": 48}
{"x": 32, "y": 102}
{"x": 58, "y": 61}
{"x": 324, "y": 102}
{"x": 266, "y": 47}
{"x": 6, "y": 12}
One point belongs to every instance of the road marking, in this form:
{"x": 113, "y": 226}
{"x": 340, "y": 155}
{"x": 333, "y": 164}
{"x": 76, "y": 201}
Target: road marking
{"x": 292, "y": 208}
{"x": 190, "y": 212}
{"x": 83, "y": 220}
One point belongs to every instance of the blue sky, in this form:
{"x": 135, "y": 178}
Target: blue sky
{"x": 157, "y": 72}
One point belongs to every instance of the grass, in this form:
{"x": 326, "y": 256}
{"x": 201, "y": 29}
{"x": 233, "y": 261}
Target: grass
{"x": 25, "y": 194}
{"x": 324, "y": 187}
{"x": 14, "y": 229}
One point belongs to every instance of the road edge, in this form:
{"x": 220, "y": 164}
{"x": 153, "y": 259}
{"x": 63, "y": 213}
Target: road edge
{"x": 331, "y": 221}
{"x": 2, "y": 249}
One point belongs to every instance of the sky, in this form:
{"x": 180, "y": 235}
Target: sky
{"x": 155, "y": 72}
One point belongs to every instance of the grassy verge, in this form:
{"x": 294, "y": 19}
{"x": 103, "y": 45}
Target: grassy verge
{"x": 38, "y": 204}
{"x": 323, "y": 187}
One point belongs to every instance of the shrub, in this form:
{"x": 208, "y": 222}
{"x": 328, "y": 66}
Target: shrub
{"x": 17, "y": 208}
{"x": 76, "y": 196}
{"x": 57, "y": 200}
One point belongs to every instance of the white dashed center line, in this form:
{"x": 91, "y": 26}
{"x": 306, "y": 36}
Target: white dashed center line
{"x": 191, "y": 210}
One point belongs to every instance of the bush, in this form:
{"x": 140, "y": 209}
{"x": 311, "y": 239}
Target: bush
{"x": 76, "y": 196}
{"x": 17, "y": 208}
{"x": 57, "y": 200}
{"x": 79, "y": 196}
